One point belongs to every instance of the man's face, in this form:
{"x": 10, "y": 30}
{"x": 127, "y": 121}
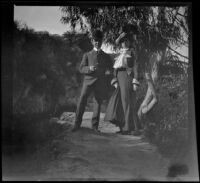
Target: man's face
{"x": 97, "y": 43}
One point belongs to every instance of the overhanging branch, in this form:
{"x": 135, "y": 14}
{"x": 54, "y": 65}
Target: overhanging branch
{"x": 182, "y": 15}
{"x": 178, "y": 53}
{"x": 177, "y": 61}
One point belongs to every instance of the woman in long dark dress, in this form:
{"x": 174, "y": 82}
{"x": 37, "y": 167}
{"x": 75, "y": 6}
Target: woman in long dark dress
{"x": 121, "y": 107}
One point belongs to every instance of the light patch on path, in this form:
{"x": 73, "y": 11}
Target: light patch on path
{"x": 107, "y": 155}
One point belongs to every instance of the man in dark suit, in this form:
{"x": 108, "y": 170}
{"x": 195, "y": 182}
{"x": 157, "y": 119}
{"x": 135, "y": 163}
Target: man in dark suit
{"x": 95, "y": 64}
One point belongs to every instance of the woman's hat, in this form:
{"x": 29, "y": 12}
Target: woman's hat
{"x": 130, "y": 29}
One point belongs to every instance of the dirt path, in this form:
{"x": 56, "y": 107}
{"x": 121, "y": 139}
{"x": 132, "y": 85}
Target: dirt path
{"x": 87, "y": 155}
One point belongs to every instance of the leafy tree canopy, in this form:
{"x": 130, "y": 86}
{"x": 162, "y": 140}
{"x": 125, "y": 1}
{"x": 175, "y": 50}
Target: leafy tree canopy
{"x": 158, "y": 27}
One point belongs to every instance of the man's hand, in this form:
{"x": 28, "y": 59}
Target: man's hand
{"x": 92, "y": 68}
{"x": 135, "y": 86}
{"x": 107, "y": 72}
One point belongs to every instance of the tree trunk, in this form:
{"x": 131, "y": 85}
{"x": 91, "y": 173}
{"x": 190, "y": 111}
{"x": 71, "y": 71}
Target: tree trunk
{"x": 151, "y": 77}
{"x": 155, "y": 60}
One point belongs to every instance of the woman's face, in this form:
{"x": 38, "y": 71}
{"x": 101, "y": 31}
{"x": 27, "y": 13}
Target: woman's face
{"x": 126, "y": 43}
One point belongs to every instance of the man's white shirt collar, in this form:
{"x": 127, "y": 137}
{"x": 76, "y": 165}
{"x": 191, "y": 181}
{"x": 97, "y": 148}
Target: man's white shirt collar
{"x": 97, "y": 49}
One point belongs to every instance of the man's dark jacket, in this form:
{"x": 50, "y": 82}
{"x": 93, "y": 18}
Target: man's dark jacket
{"x": 102, "y": 61}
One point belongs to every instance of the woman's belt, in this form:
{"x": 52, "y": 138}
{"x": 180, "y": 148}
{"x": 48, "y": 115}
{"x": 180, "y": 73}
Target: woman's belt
{"x": 121, "y": 69}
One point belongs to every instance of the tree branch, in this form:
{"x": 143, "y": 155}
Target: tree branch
{"x": 183, "y": 41}
{"x": 182, "y": 15}
{"x": 178, "y": 61}
{"x": 182, "y": 25}
{"x": 178, "y": 53}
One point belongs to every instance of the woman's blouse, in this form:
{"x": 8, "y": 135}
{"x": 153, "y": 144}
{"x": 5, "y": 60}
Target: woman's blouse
{"x": 121, "y": 60}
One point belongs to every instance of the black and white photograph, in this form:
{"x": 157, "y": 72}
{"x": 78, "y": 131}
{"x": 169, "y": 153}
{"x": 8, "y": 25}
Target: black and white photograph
{"x": 98, "y": 91}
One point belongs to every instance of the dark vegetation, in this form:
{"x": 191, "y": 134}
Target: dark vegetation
{"x": 46, "y": 82}
{"x": 167, "y": 123}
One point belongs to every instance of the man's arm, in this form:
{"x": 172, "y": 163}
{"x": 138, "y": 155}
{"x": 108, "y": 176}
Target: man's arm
{"x": 84, "y": 68}
{"x": 112, "y": 71}
{"x": 135, "y": 71}
{"x": 109, "y": 63}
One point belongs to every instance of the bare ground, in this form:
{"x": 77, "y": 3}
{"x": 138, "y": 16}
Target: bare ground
{"x": 87, "y": 155}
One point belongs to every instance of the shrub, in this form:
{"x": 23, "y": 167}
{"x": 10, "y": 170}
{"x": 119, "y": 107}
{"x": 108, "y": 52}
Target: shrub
{"x": 166, "y": 124}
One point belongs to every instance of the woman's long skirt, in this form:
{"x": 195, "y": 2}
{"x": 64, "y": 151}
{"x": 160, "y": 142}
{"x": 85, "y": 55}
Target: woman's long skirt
{"x": 114, "y": 111}
{"x": 121, "y": 107}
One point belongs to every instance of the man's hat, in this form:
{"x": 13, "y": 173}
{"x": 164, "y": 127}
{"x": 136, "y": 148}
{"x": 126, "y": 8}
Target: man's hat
{"x": 97, "y": 34}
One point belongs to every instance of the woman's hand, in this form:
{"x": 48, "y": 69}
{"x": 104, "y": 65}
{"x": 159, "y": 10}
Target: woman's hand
{"x": 115, "y": 85}
{"x": 135, "y": 87}
{"x": 135, "y": 84}
{"x": 122, "y": 34}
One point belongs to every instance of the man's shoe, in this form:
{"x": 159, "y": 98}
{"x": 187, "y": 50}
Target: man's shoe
{"x": 136, "y": 133}
{"x": 75, "y": 128}
{"x": 119, "y": 132}
{"x": 125, "y": 132}
{"x": 96, "y": 130}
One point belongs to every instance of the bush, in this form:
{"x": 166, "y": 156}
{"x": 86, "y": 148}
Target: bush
{"x": 167, "y": 123}
{"x": 28, "y": 132}
{"x": 42, "y": 65}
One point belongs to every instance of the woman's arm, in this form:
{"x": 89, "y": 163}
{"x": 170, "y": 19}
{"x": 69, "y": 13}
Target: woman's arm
{"x": 119, "y": 38}
{"x": 135, "y": 71}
